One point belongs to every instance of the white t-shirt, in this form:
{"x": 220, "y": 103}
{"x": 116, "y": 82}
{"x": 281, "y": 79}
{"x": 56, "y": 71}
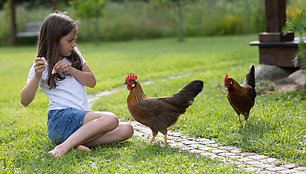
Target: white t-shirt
{"x": 69, "y": 93}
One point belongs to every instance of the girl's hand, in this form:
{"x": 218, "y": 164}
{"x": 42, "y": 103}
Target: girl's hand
{"x": 39, "y": 66}
{"x": 62, "y": 66}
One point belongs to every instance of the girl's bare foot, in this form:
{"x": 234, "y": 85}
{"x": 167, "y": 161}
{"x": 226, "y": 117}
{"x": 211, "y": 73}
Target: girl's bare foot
{"x": 83, "y": 148}
{"x": 58, "y": 151}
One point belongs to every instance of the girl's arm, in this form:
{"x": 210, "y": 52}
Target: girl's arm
{"x": 28, "y": 92}
{"x": 85, "y": 77}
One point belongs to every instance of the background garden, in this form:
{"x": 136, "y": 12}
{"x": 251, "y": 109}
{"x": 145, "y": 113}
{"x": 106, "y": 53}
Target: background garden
{"x": 136, "y": 19}
{"x": 276, "y": 126}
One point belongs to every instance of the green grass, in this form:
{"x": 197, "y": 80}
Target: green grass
{"x": 275, "y": 128}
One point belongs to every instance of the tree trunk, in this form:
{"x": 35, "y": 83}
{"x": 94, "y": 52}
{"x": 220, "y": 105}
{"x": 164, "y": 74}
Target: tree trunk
{"x": 180, "y": 14}
{"x": 53, "y": 2}
{"x": 13, "y": 22}
{"x": 96, "y": 30}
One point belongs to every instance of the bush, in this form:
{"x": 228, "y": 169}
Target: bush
{"x": 5, "y": 30}
{"x": 140, "y": 20}
{"x": 298, "y": 25}
{"x": 230, "y": 25}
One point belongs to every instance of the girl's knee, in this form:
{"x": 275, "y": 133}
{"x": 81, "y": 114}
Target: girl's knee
{"x": 101, "y": 116}
{"x": 111, "y": 120}
{"x": 106, "y": 114}
{"x": 127, "y": 129}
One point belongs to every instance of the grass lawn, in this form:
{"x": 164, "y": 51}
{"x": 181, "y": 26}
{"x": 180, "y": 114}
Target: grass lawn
{"x": 276, "y": 126}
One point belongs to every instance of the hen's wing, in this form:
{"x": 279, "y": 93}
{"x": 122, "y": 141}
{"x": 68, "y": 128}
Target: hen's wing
{"x": 242, "y": 99}
{"x": 156, "y": 113}
{"x": 251, "y": 92}
{"x": 233, "y": 104}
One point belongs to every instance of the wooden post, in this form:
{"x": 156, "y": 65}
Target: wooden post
{"x": 13, "y": 22}
{"x": 275, "y": 22}
{"x": 275, "y": 15}
{"x": 275, "y": 48}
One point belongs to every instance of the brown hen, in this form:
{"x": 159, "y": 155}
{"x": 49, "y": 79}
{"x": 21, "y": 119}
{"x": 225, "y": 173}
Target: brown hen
{"x": 159, "y": 113}
{"x": 242, "y": 97}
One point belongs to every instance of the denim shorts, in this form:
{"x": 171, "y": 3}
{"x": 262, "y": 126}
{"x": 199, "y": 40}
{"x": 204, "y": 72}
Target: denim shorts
{"x": 64, "y": 122}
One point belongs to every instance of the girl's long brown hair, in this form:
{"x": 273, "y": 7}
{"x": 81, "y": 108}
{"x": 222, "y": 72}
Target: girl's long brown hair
{"x": 54, "y": 27}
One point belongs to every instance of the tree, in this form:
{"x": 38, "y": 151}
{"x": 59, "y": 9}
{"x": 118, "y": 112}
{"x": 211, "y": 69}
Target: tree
{"x": 179, "y": 4}
{"x": 89, "y": 9}
{"x": 9, "y": 10}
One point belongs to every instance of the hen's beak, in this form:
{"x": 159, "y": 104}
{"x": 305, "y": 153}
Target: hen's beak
{"x": 125, "y": 83}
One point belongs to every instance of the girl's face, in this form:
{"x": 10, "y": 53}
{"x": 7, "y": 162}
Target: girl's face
{"x": 67, "y": 44}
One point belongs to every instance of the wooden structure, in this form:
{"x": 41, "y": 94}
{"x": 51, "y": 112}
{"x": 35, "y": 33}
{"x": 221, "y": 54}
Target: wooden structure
{"x": 31, "y": 29}
{"x": 274, "y": 47}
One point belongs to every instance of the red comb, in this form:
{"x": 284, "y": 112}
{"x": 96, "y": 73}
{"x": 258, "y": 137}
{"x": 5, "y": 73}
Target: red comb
{"x": 225, "y": 78}
{"x": 130, "y": 77}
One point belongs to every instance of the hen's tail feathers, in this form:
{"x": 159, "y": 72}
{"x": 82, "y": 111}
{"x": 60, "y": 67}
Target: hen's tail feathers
{"x": 192, "y": 89}
{"x": 250, "y": 77}
{"x": 184, "y": 98}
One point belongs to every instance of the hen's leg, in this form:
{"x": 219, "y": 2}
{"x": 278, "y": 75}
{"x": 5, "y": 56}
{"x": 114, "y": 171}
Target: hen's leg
{"x": 238, "y": 114}
{"x": 164, "y": 131}
{"x": 154, "y": 135}
{"x": 246, "y": 116}
{"x": 165, "y": 139}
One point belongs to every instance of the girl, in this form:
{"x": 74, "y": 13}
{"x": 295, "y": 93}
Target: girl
{"x": 62, "y": 74}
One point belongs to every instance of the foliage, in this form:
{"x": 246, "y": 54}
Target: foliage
{"x": 5, "y": 29}
{"x": 298, "y": 25}
{"x": 179, "y": 4}
{"x": 230, "y": 25}
{"x": 89, "y": 9}
{"x": 128, "y": 20}
{"x": 139, "y": 20}
{"x": 37, "y": 3}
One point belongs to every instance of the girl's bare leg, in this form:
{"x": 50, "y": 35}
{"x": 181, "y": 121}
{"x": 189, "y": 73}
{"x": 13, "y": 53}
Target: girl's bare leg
{"x": 123, "y": 132}
{"x": 95, "y": 126}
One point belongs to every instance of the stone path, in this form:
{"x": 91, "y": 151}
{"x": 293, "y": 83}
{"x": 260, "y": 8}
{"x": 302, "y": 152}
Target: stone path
{"x": 227, "y": 154}
{"x": 209, "y": 148}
